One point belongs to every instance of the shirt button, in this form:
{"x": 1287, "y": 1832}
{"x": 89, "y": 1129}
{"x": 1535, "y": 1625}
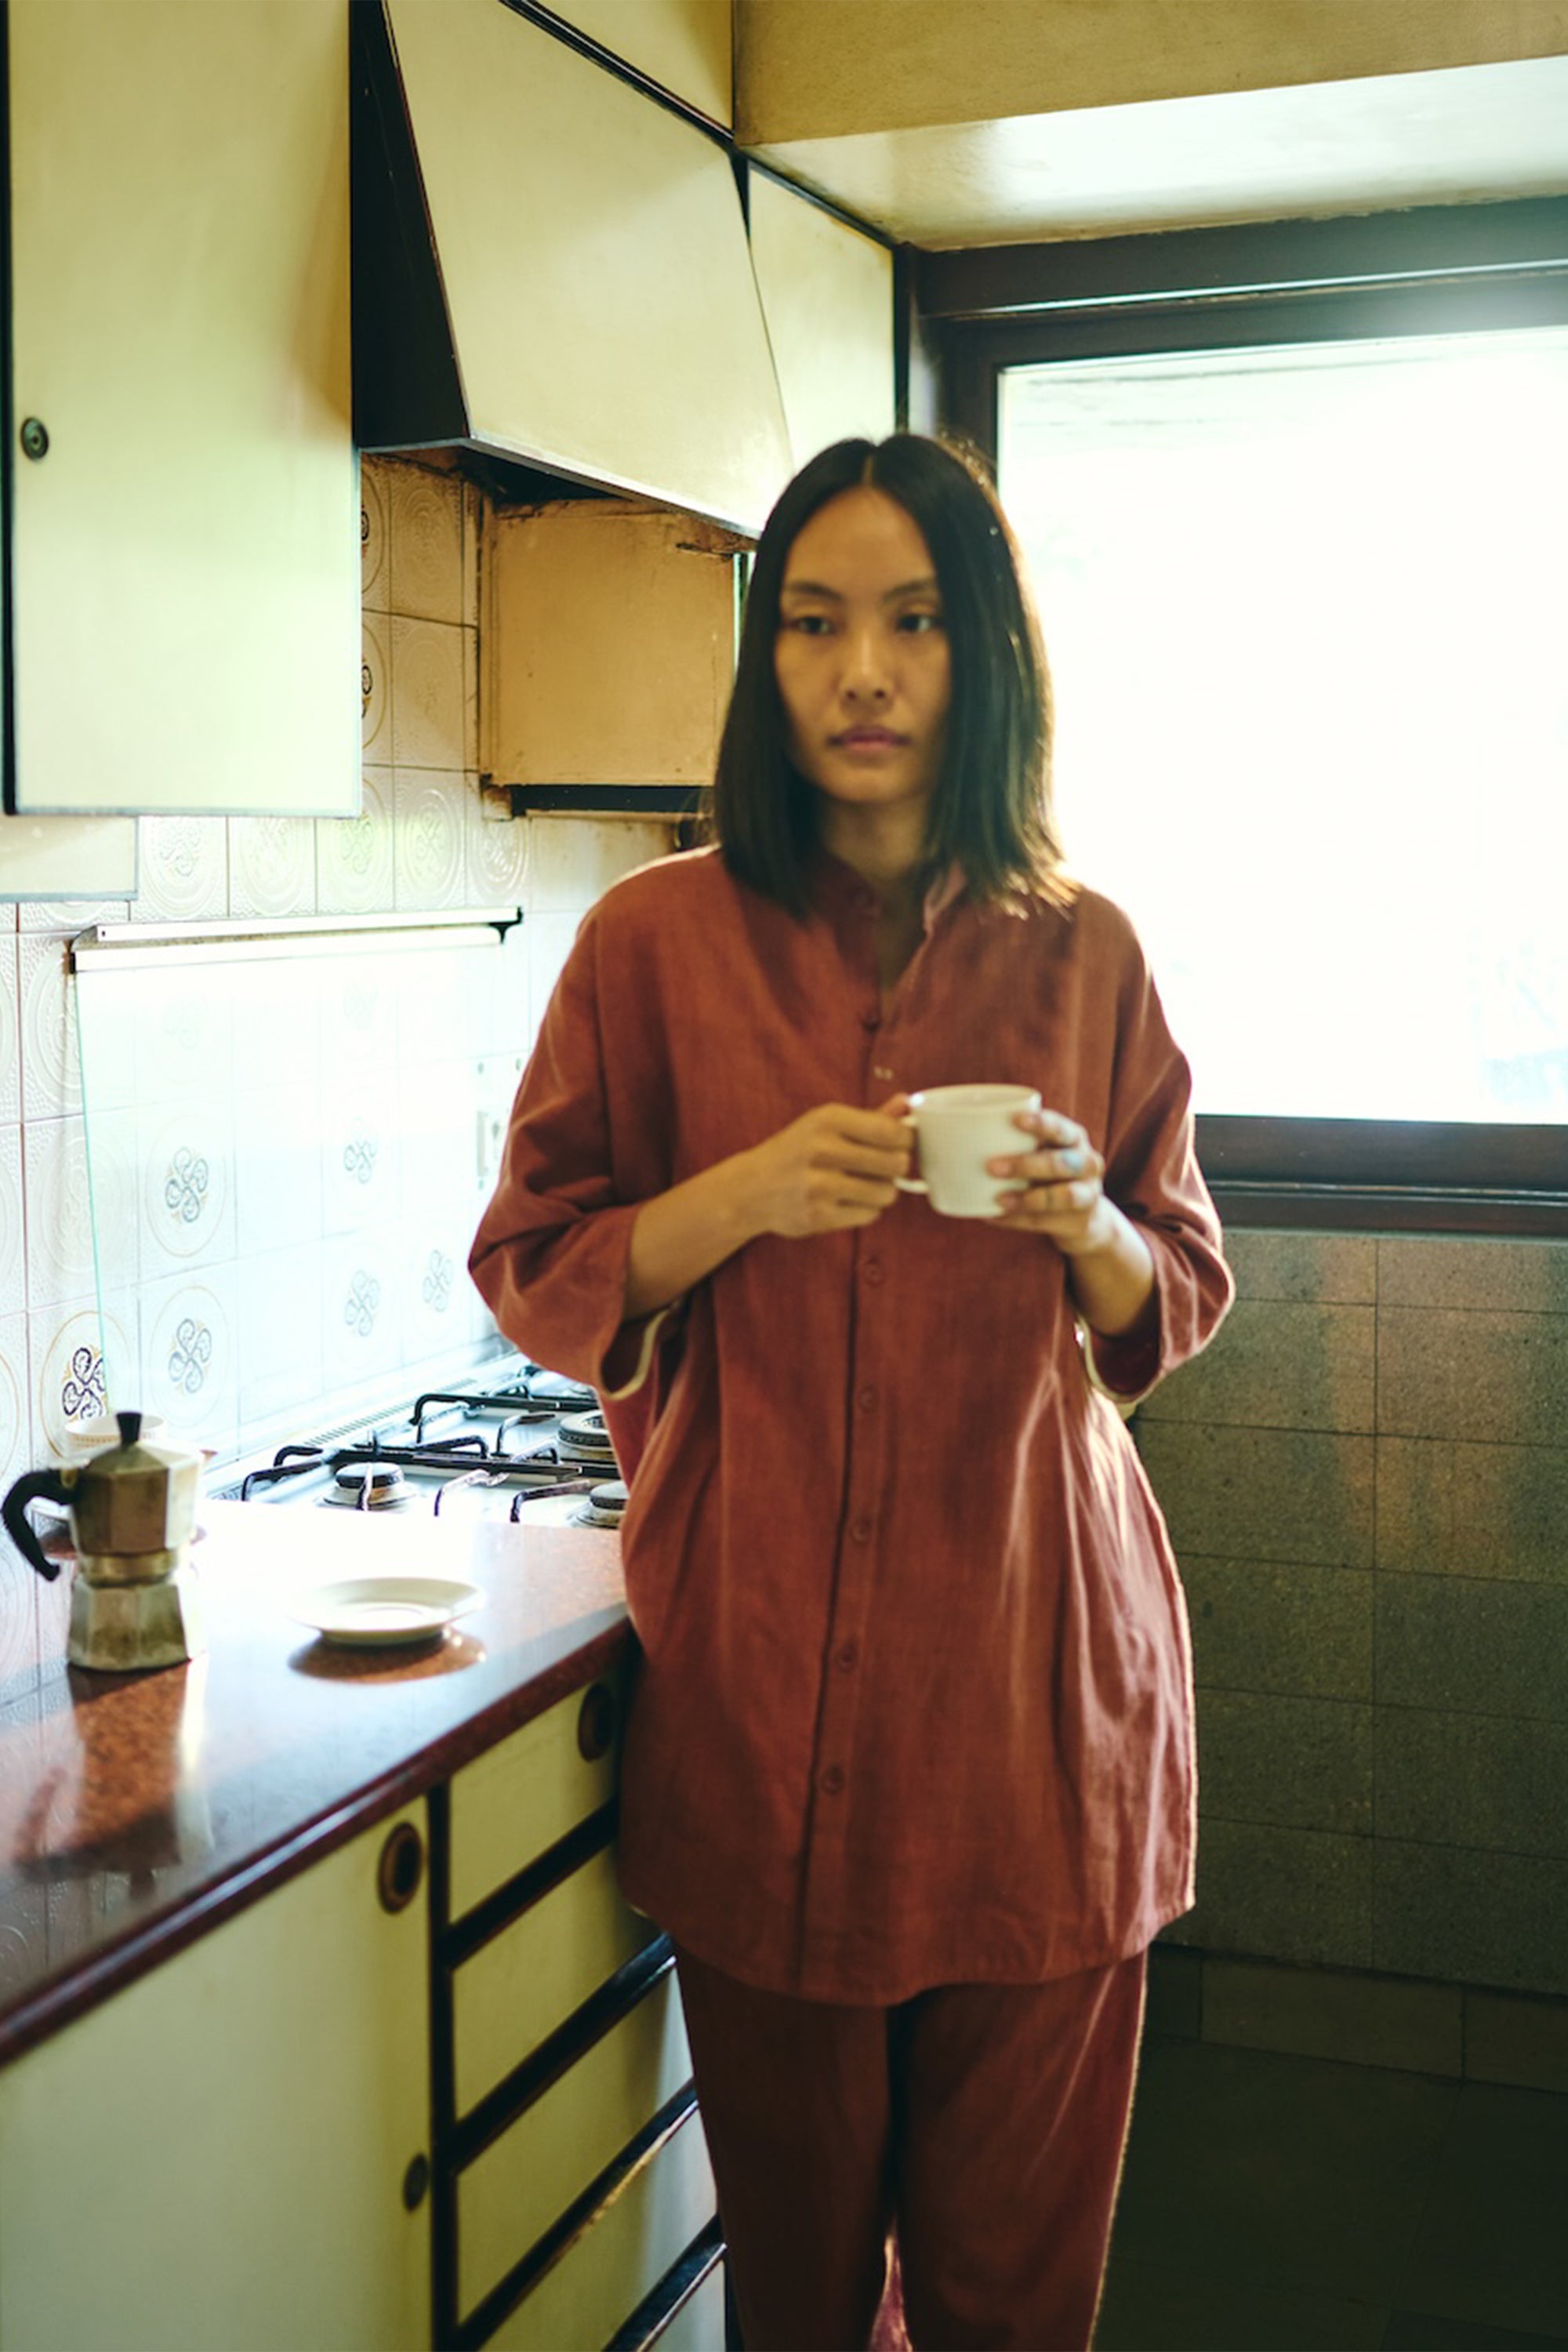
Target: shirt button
{"x": 860, "y": 1530}
{"x": 832, "y": 1780}
{"x": 847, "y": 1657}
{"x": 867, "y": 1399}
{"x": 874, "y": 1273}
{"x": 879, "y": 1072}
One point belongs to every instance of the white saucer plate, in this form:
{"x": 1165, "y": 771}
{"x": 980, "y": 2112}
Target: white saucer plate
{"x": 378, "y": 1609}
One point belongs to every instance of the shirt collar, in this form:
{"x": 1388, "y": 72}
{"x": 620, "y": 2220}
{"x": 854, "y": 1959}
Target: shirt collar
{"x": 838, "y": 892}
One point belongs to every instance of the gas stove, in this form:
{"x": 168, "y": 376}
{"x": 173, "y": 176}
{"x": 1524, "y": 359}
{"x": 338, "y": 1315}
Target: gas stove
{"x": 514, "y": 1440}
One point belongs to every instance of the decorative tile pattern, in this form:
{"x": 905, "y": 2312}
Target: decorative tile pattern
{"x": 576, "y": 859}
{"x": 360, "y": 1333}
{"x": 278, "y": 1291}
{"x": 426, "y": 697}
{"x": 189, "y": 1364}
{"x": 354, "y": 853}
{"x": 10, "y": 1028}
{"x": 277, "y": 1026}
{"x": 82, "y": 1367}
{"x": 73, "y": 915}
{"x": 426, "y": 533}
{"x": 278, "y": 1172}
{"x": 431, "y": 869}
{"x": 12, "y": 1252}
{"x": 374, "y": 681}
{"x": 376, "y": 572}
{"x": 359, "y": 1023}
{"x": 15, "y": 1425}
{"x": 187, "y": 1184}
{"x": 434, "y": 1296}
{"x": 51, "y": 1068}
{"x": 360, "y": 1158}
{"x": 432, "y": 1016}
{"x": 58, "y": 1212}
{"x": 182, "y": 870}
{"x": 497, "y": 850}
{"x": 272, "y": 865}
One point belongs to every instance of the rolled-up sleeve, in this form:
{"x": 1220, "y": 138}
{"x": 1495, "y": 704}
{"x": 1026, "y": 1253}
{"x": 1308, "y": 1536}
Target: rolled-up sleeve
{"x": 550, "y": 1256}
{"x": 1152, "y": 1173}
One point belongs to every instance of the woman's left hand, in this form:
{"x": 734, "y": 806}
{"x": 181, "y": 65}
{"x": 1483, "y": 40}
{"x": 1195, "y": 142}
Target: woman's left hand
{"x": 1064, "y": 1198}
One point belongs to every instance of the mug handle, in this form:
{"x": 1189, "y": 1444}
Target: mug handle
{"x": 911, "y": 1183}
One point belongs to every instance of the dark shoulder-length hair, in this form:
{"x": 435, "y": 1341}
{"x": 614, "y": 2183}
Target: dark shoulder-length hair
{"x": 992, "y": 810}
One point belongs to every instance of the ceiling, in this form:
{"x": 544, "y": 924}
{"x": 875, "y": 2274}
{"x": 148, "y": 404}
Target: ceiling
{"x": 1466, "y": 133}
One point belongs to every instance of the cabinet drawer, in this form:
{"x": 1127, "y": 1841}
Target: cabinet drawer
{"x": 622, "y": 2252}
{"x": 522, "y": 2181}
{"x": 699, "y": 2325}
{"x": 522, "y": 1795}
{"x": 529, "y": 1978}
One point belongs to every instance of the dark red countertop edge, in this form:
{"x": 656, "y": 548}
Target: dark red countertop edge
{"x": 117, "y": 1962}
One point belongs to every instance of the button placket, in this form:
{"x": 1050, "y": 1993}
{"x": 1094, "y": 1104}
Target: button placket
{"x": 834, "y": 1754}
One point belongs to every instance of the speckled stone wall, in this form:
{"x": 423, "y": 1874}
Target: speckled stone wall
{"x": 1366, "y": 1481}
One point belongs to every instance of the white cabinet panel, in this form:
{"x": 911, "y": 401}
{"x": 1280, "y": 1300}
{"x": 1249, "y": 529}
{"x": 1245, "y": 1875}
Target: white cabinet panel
{"x": 522, "y": 1795}
{"x": 528, "y": 1979}
{"x": 67, "y": 857}
{"x": 622, "y": 2253}
{"x": 595, "y": 266}
{"x": 827, "y": 297}
{"x": 527, "y": 2177}
{"x": 683, "y": 44}
{"x": 607, "y": 645}
{"x": 185, "y": 563}
{"x": 214, "y": 2156}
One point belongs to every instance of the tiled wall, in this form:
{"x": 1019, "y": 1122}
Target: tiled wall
{"x": 1365, "y": 1480}
{"x": 225, "y": 1313}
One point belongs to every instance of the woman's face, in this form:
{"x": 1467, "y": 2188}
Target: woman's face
{"x": 862, "y": 655}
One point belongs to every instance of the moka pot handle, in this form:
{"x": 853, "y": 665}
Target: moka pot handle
{"x": 36, "y": 1487}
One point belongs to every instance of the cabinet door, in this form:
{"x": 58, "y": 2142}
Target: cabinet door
{"x": 184, "y": 613}
{"x": 592, "y": 266}
{"x": 216, "y": 2156}
{"x": 685, "y": 46}
{"x": 827, "y": 297}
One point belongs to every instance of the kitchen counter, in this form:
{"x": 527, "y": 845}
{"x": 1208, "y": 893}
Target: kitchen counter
{"x": 138, "y": 1810}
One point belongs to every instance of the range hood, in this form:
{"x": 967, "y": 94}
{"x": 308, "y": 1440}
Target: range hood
{"x": 551, "y": 268}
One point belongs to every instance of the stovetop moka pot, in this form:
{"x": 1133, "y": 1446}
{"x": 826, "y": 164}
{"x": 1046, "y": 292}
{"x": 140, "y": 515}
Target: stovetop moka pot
{"x": 133, "y": 1516}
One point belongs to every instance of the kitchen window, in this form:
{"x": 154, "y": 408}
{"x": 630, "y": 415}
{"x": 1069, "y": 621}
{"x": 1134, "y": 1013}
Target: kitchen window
{"x": 1299, "y": 555}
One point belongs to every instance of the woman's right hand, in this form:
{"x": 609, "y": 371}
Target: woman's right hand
{"x": 831, "y": 1169}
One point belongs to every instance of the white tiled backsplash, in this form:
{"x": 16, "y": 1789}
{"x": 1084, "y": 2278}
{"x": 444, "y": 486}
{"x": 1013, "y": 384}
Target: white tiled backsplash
{"x": 288, "y": 1159}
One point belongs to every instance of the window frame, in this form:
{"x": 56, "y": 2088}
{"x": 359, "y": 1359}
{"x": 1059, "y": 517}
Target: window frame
{"x": 1437, "y": 269}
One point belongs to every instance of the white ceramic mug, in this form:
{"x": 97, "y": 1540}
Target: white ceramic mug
{"x": 957, "y": 1129}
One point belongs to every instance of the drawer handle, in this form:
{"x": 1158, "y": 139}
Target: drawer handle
{"x": 596, "y": 1724}
{"x": 401, "y": 1870}
{"x": 416, "y": 2183}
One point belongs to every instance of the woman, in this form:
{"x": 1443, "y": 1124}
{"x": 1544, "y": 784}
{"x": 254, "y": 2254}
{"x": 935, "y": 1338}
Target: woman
{"x": 909, "y": 1771}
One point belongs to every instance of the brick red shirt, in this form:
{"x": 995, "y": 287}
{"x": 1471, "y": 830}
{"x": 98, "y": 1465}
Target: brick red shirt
{"x": 915, "y": 1705}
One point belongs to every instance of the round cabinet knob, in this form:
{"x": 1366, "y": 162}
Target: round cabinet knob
{"x": 401, "y": 1869}
{"x": 35, "y": 436}
{"x": 596, "y": 1724}
{"x": 416, "y": 2183}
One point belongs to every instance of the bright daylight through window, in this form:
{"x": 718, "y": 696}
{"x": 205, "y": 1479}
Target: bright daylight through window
{"x": 1307, "y": 610}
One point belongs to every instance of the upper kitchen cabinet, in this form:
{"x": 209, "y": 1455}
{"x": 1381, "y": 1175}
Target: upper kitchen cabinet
{"x": 608, "y": 650}
{"x": 827, "y": 297}
{"x": 684, "y": 45}
{"x": 181, "y": 479}
{"x": 552, "y": 268}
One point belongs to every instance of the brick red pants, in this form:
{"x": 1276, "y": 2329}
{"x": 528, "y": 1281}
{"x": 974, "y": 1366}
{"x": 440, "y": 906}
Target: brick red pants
{"x": 981, "y": 2126}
